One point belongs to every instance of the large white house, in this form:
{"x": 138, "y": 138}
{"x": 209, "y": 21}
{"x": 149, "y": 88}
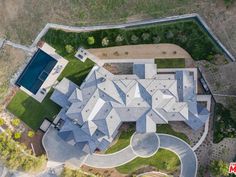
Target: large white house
{"x": 92, "y": 113}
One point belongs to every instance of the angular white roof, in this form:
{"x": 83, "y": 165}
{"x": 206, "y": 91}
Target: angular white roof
{"x": 105, "y": 100}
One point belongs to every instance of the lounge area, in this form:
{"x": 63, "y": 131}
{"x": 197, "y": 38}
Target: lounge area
{"x": 41, "y": 73}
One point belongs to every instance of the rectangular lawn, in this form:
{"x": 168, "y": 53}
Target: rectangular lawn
{"x": 170, "y": 63}
{"x": 31, "y": 111}
{"x": 76, "y": 70}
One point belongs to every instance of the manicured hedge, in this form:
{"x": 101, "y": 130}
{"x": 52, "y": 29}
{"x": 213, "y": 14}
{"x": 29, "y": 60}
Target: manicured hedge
{"x": 186, "y": 33}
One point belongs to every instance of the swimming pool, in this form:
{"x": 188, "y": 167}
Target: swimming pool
{"x": 36, "y": 72}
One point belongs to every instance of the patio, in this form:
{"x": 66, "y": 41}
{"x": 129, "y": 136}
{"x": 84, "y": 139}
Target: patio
{"x": 51, "y": 79}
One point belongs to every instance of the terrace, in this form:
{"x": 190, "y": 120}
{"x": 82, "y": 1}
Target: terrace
{"x": 41, "y": 73}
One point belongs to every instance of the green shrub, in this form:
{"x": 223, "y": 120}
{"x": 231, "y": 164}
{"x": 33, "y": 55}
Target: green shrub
{"x": 188, "y": 34}
{"x": 169, "y": 35}
{"x": 156, "y": 39}
{"x": 145, "y": 36}
{"x": 69, "y": 48}
{"x": 30, "y": 134}
{"x": 224, "y": 123}
{"x": 2, "y": 122}
{"x": 91, "y": 40}
{"x": 67, "y": 172}
{"x": 17, "y": 135}
{"x": 134, "y": 39}
{"x": 105, "y": 42}
{"x": 15, "y": 122}
{"x": 219, "y": 168}
{"x": 15, "y": 156}
{"x": 119, "y": 38}
{"x": 228, "y": 2}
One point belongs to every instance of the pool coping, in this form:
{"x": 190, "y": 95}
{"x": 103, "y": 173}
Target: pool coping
{"x": 51, "y": 79}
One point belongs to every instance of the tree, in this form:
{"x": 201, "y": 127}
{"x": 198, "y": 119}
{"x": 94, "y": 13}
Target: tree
{"x": 105, "y": 41}
{"x": 91, "y": 40}
{"x": 134, "y": 38}
{"x": 67, "y": 172}
{"x": 33, "y": 164}
{"x": 2, "y": 122}
{"x": 17, "y": 135}
{"x": 156, "y": 39}
{"x": 69, "y": 48}
{"x": 119, "y": 38}
{"x": 31, "y": 134}
{"x": 219, "y": 168}
{"x": 15, "y": 122}
{"x": 145, "y": 36}
{"x": 16, "y": 156}
{"x": 228, "y": 2}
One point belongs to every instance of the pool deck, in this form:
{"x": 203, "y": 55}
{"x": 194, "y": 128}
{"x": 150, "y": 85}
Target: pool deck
{"x": 53, "y": 75}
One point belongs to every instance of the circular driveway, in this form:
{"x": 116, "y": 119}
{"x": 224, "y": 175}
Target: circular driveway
{"x": 145, "y": 144}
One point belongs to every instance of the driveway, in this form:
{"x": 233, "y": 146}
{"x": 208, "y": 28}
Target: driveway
{"x": 59, "y": 152}
{"x": 111, "y": 160}
{"x": 184, "y": 151}
{"x": 145, "y": 144}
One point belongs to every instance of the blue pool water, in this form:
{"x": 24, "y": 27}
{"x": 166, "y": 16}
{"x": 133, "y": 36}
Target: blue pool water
{"x": 36, "y": 72}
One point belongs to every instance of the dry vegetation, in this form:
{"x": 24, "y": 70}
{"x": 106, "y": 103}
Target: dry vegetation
{"x": 10, "y": 60}
{"x": 22, "y": 20}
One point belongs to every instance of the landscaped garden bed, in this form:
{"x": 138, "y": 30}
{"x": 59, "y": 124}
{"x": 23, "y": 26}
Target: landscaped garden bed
{"x": 124, "y": 138}
{"x": 123, "y": 141}
{"x": 167, "y": 129}
{"x": 186, "y": 33}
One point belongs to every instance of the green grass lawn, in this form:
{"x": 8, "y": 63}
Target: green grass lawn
{"x": 124, "y": 138}
{"x": 32, "y": 112}
{"x": 170, "y": 63}
{"x": 165, "y": 128}
{"x": 76, "y": 70}
{"x": 122, "y": 142}
{"x": 163, "y": 160}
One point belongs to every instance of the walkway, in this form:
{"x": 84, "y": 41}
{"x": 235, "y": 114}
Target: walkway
{"x": 19, "y": 46}
{"x": 203, "y": 98}
{"x": 111, "y": 160}
{"x": 187, "y": 157}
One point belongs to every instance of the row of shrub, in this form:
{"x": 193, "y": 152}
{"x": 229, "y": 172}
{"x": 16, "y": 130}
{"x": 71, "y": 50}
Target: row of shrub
{"x": 16, "y": 122}
{"x": 186, "y": 33}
